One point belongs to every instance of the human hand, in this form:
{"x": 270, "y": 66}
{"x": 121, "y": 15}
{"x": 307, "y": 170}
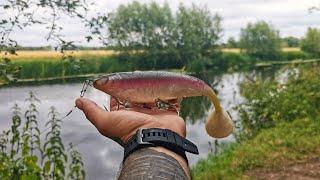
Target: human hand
{"x": 122, "y": 123}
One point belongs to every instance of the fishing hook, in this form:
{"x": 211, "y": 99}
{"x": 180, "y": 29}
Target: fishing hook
{"x": 161, "y": 104}
{"x": 82, "y": 92}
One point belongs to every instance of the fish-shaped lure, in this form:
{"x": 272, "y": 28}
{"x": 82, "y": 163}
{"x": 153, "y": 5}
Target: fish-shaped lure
{"x": 149, "y": 86}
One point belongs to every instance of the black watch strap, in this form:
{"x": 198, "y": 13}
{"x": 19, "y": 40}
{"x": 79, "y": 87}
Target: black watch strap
{"x": 159, "y": 137}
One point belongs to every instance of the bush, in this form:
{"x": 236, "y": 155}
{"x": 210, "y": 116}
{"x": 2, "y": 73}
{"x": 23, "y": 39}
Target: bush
{"x": 229, "y": 61}
{"x": 22, "y": 154}
{"x": 269, "y": 101}
{"x": 293, "y": 55}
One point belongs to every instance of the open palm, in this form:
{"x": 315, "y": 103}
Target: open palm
{"x": 121, "y": 123}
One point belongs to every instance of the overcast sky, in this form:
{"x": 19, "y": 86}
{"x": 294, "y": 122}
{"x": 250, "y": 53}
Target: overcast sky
{"x": 291, "y": 17}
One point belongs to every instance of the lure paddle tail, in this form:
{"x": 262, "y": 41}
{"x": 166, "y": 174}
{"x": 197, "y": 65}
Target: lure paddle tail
{"x": 219, "y": 123}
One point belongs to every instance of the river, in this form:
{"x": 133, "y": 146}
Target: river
{"x": 102, "y": 156}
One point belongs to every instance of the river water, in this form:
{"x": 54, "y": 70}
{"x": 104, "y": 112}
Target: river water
{"x": 102, "y": 156}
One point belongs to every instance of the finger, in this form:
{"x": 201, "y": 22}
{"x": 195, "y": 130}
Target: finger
{"x": 95, "y": 114}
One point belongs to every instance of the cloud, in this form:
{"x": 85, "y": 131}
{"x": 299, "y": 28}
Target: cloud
{"x": 291, "y": 17}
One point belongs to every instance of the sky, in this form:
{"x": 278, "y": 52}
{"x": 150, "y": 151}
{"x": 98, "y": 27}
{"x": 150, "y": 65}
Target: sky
{"x": 290, "y": 17}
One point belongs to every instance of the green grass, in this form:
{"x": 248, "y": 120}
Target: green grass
{"x": 51, "y": 67}
{"x": 285, "y": 144}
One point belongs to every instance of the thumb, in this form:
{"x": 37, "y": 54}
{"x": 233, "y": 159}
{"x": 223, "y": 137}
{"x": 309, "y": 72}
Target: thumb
{"x": 93, "y": 112}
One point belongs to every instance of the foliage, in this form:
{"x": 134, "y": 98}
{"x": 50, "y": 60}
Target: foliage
{"x": 311, "y": 42}
{"x": 260, "y": 40}
{"x": 279, "y": 126}
{"x": 229, "y": 61}
{"x": 21, "y": 14}
{"x": 47, "y": 66}
{"x": 293, "y": 55}
{"x": 269, "y": 101}
{"x": 274, "y": 148}
{"x": 136, "y": 26}
{"x": 232, "y": 43}
{"x": 76, "y": 170}
{"x": 161, "y": 36}
{"x": 198, "y": 33}
{"x": 31, "y": 132}
{"x": 55, "y": 157}
{"x": 8, "y": 71}
{"x": 290, "y": 41}
{"x": 21, "y": 153}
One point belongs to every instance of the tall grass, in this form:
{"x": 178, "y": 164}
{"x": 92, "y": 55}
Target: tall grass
{"x": 52, "y": 67}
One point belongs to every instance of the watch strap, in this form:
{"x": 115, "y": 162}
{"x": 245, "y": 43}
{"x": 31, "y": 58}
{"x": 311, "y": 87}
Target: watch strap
{"x": 159, "y": 137}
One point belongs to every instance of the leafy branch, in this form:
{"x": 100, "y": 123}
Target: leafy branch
{"x": 21, "y": 155}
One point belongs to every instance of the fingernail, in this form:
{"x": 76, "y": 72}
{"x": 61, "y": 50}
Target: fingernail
{"x": 79, "y": 103}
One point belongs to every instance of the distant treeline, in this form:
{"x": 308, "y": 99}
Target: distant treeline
{"x": 152, "y": 36}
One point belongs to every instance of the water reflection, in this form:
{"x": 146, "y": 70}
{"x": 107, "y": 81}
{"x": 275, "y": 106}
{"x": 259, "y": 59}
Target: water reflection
{"x": 226, "y": 86}
{"x": 194, "y": 109}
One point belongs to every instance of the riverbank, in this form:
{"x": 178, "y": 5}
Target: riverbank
{"x": 272, "y": 150}
{"x": 46, "y": 64}
{"x": 278, "y": 128}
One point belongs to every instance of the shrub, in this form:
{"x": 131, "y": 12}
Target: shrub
{"x": 22, "y": 155}
{"x": 269, "y": 101}
{"x": 293, "y": 55}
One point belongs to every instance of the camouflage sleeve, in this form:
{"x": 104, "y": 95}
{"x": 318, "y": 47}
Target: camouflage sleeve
{"x": 150, "y": 164}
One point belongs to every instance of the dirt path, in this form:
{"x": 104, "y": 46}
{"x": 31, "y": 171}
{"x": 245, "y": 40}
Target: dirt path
{"x": 308, "y": 170}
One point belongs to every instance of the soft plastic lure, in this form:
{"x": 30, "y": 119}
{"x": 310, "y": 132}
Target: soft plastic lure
{"x": 152, "y": 86}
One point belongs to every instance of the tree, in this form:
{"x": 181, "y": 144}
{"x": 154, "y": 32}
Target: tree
{"x": 291, "y": 41}
{"x": 140, "y": 26}
{"x": 20, "y": 14}
{"x": 162, "y": 36}
{"x": 311, "y": 42}
{"x": 146, "y": 27}
{"x": 198, "y": 32}
{"x": 260, "y": 40}
{"x": 232, "y": 43}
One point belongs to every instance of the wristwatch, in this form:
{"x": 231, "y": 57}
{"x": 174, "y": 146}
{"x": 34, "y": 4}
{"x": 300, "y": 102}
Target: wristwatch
{"x": 153, "y": 137}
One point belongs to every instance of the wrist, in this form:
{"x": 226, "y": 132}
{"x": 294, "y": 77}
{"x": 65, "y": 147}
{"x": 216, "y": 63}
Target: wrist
{"x": 153, "y": 162}
{"x": 163, "y": 141}
{"x": 183, "y": 163}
